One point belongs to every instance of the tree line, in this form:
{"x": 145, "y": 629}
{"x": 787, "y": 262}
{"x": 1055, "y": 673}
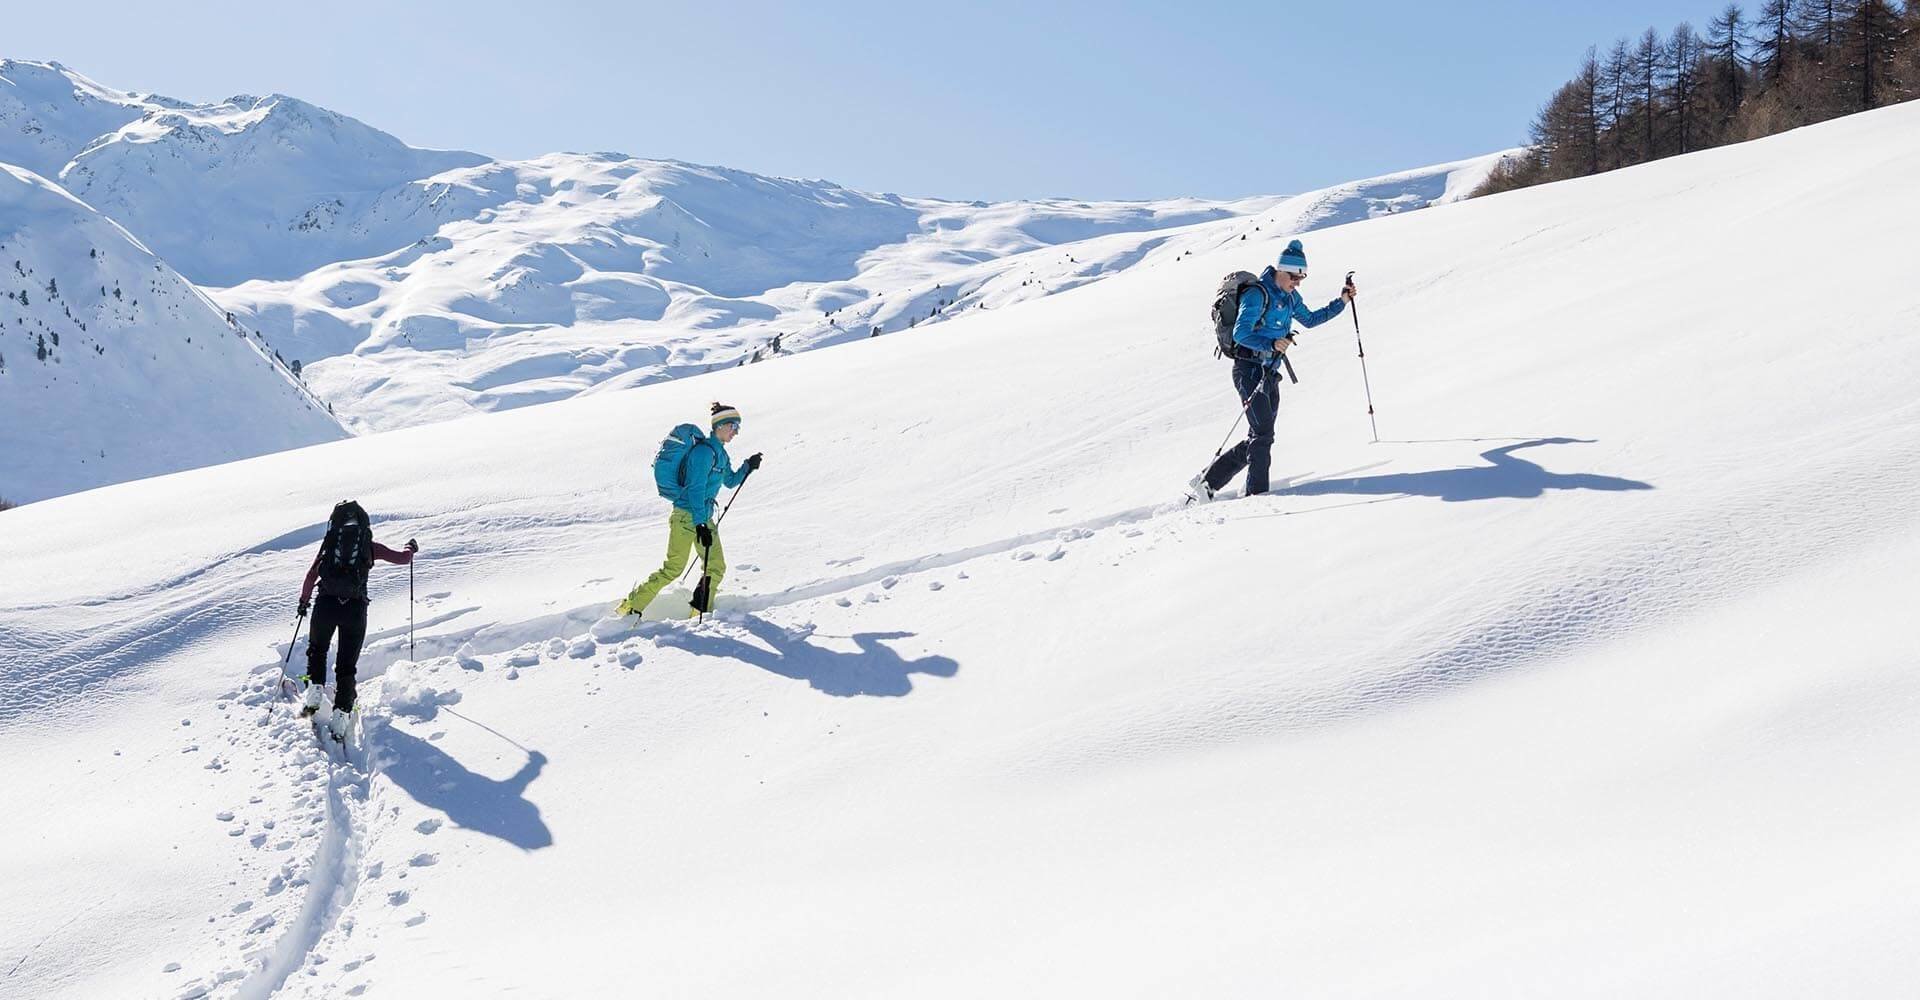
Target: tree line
{"x": 1796, "y": 63}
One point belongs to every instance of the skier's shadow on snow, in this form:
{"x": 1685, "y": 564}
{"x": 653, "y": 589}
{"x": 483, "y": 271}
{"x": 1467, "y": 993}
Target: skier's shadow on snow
{"x": 470, "y": 801}
{"x": 873, "y": 670}
{"x": 1505, "y": 476}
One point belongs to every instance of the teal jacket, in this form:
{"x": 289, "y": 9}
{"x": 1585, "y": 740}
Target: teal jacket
{"x": 1257, "y": 328}
{"x": 709, "y": 470}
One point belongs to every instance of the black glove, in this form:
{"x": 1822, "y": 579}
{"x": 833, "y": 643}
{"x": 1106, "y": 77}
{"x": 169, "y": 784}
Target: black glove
{"x": 412, "y": 546}
{"x": 705, "y": 534}
{"x": 303, "y": 608}
{"x": 753, "y": 461}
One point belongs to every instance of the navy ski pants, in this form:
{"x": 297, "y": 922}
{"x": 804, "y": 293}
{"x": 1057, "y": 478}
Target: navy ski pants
{"x": 1259, "y": 389}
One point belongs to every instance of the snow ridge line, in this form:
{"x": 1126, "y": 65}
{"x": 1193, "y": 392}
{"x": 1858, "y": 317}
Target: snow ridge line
{"x": 332, "y": 881}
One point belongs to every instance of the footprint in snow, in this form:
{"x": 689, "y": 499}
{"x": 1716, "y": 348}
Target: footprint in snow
{"x": 581, "y": 647}
{"x": 427, "y": 826}
{"x": 398, "y": 897}
{"x": 424, "y": 859}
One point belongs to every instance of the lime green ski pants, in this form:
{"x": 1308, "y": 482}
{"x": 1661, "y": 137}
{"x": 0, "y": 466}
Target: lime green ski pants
{"x": 680, "y": 539}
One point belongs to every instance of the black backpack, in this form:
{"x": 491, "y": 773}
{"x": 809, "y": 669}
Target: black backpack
{"x": 1226, "y": 308}
{"x": 346, "y": 554}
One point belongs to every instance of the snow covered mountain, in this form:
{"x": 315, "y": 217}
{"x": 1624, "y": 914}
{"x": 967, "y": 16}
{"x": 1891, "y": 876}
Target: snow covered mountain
{"x": 113, "y": 367}
{"x": 48, "y": 114}
{"x": 250, "y": 187}
{"x": 420, "y": 285}
{"x": 1592, "y": 678}
{"x": 571, "y": 273}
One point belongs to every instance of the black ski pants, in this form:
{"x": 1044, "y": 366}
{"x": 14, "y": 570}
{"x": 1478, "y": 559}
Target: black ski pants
{"x": 350, "y": 618}
{"x": 1259, "y": 389}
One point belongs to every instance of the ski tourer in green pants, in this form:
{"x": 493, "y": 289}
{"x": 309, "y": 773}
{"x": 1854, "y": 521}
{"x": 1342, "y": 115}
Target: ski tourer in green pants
{"x": 691, "y": 469}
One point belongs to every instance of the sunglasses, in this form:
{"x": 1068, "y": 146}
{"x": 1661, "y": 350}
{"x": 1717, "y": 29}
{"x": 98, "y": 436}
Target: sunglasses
{"x": 1296, "y": 275}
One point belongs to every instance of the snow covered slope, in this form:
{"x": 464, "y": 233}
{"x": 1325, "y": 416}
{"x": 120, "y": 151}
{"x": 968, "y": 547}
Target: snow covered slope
{"x": 569, "y": 273}
{"x": 257, "y": 186}
{"x": 49, "y": 113}
{"x": 249, "y": 187}
{"x": 1592, "y": 678}
{"x": 112, "y": 367}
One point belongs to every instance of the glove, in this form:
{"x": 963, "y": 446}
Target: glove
{"x": 753, "y": 461}
{"x": 704, "y": 534}
{"x": 412, "y": 546}
{"x": 303, "y": 608}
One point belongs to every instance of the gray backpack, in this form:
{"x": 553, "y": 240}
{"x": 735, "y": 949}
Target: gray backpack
{"x": 1226, "y": 308}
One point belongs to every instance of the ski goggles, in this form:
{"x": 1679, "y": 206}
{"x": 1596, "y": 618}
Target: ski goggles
{"x": 1296, "y": 275}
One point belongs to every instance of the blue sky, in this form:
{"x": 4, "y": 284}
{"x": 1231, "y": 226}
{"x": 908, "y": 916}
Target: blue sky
{"x": 988, "y": 100}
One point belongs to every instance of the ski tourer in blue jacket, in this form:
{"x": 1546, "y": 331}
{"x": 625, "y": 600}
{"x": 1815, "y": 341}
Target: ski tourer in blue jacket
{"x": 1267, "y": 311}
{"x": 1258, "y": 328}
{"x": 709, "y": 470}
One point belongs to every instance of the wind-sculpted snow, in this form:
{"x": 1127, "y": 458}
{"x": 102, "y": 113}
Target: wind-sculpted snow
{"x": 1590, "y": 678}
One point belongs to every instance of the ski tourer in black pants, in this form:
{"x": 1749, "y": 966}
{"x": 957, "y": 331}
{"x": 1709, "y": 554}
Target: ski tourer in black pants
{"x": 350, "y": 618}
{"x": 1259, "y": 388}
{"x": 342, "y": 607}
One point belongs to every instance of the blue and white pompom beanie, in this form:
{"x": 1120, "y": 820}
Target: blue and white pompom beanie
{"x": 1293, "y": 258}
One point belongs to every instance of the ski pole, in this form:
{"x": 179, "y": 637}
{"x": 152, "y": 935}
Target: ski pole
{"x": 298, "y": 621}
{"x": 1363, "y": 362}
{"x": 1245, "y": 405}
{"x": 731, "y": 499}
{"x": 702, "y": 595}
{"x": 410, "y": 653}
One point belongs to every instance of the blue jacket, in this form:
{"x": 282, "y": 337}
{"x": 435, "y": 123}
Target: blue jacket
{"x": 708, "y": 470}
{"x": 1257, "y": 329}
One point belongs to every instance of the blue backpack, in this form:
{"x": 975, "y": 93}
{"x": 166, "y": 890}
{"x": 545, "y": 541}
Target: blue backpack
{"x": 670, "y": 462}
